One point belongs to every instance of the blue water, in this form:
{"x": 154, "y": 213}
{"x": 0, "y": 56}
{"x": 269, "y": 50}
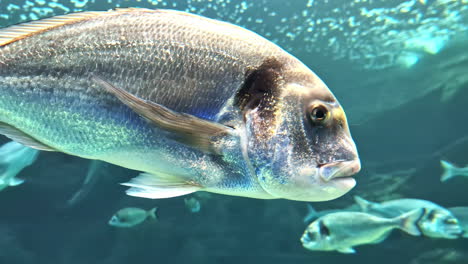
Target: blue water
{"x": 400, "y": 70}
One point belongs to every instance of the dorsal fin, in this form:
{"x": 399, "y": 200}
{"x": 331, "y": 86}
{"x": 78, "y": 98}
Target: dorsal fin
{"x": 20, "y": 31}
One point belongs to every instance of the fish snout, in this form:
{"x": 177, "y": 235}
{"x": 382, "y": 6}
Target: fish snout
{"x": 339, "y": 169}
{"x": 453, "y": 231}
{"x": 306, "y": 241}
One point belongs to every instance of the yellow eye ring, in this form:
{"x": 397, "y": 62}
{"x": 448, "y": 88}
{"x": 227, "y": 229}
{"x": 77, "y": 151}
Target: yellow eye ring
{"x": 319, "y": 114}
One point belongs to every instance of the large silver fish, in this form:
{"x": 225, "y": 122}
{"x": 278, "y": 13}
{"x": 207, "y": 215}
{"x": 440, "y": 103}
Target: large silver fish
{"x": 194, "y": 103}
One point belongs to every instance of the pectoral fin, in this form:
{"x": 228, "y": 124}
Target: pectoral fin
{"x": 187, "y": 129}
{"x": 156, "y": 186}
{"x": 347, "y": 250}
{"x": 15, "y": 182}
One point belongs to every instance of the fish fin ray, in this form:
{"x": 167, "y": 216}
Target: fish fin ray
{"x": 364, "y": 204}
{"x": 349, "y": 250}
{"x": 153, "y": 213}
{"x": 20, "y": 31}
{"x": 152, "y": 186}
{"x": 311, "y": 214}
{"x": 22, "y": 138}
{"x": 15, "y": 182}
{"x": 24, "y": 30}
{"x": 185, "y": 128}
{"x": 448, "y": 170}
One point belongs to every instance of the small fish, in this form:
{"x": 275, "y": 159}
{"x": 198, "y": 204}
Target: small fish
{"x": 14, "y": 157}
{"x": 451, "y": 171}
{"x": 312, "y": 214}
{"x": 437, "y": 222}
{"x": 192, "y": 204}
{"x": 343, "y": 230}
{"x": 461, "y": 213}
{"x": 131, "y": 216}
{"x": 193, "y": 103}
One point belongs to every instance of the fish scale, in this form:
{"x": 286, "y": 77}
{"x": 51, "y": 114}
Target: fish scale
{"x": 146, "y": 63}
{"x": 145, "y": 52}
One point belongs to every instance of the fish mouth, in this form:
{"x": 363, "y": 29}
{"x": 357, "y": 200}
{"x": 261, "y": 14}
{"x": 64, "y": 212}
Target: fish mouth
{"x": 454, "y": 232}
{"x": 305, "y": 239}
{"x": 339, "y": 170}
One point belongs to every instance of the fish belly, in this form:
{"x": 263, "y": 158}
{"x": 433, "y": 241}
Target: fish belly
{"x": 70, "y": 120}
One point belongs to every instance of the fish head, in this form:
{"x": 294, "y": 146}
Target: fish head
{"x": 114, "y": 221}
{"x": 120, "y": 219}
{"x": 300, "y": 145}
{"x": 441, "y": 224}
{"x": 317, "y": 236}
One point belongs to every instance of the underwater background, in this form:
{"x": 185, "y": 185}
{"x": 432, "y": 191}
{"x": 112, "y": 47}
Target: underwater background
{"x": 400, "y": 70}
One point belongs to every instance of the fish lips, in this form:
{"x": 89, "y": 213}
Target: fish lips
{"x": 453, "y": 232}
{"x": 340, "y": 171}
{"x": 305, "y": 239}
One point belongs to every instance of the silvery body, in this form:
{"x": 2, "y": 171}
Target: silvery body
{"x": 343, "y": 230}
{"x": 437, "y": 222}
{"x": 194, "y": 103}
{"x": 131, "y": 216}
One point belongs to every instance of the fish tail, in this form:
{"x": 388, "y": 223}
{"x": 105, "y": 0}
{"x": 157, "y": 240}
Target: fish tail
{"x": 311, "y": 214}
{"x": 408, "y": 222}
{"x": 449, "y": 170}
{"x": 152, "y": 213}
{"x": 363, "y": 203}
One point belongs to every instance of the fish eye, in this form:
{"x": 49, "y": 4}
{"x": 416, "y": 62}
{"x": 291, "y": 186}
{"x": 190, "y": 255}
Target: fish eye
{"x": 311, "y": 235}
{"x": 319, "y": 113}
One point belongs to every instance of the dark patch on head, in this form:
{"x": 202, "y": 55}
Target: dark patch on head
{"x": 121, "y": 218}
{"x": 260, "y": 86}
{"x": 324, "y": 231}
{"x": 431, "y": 216}
{"x": 417, "y": 222}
